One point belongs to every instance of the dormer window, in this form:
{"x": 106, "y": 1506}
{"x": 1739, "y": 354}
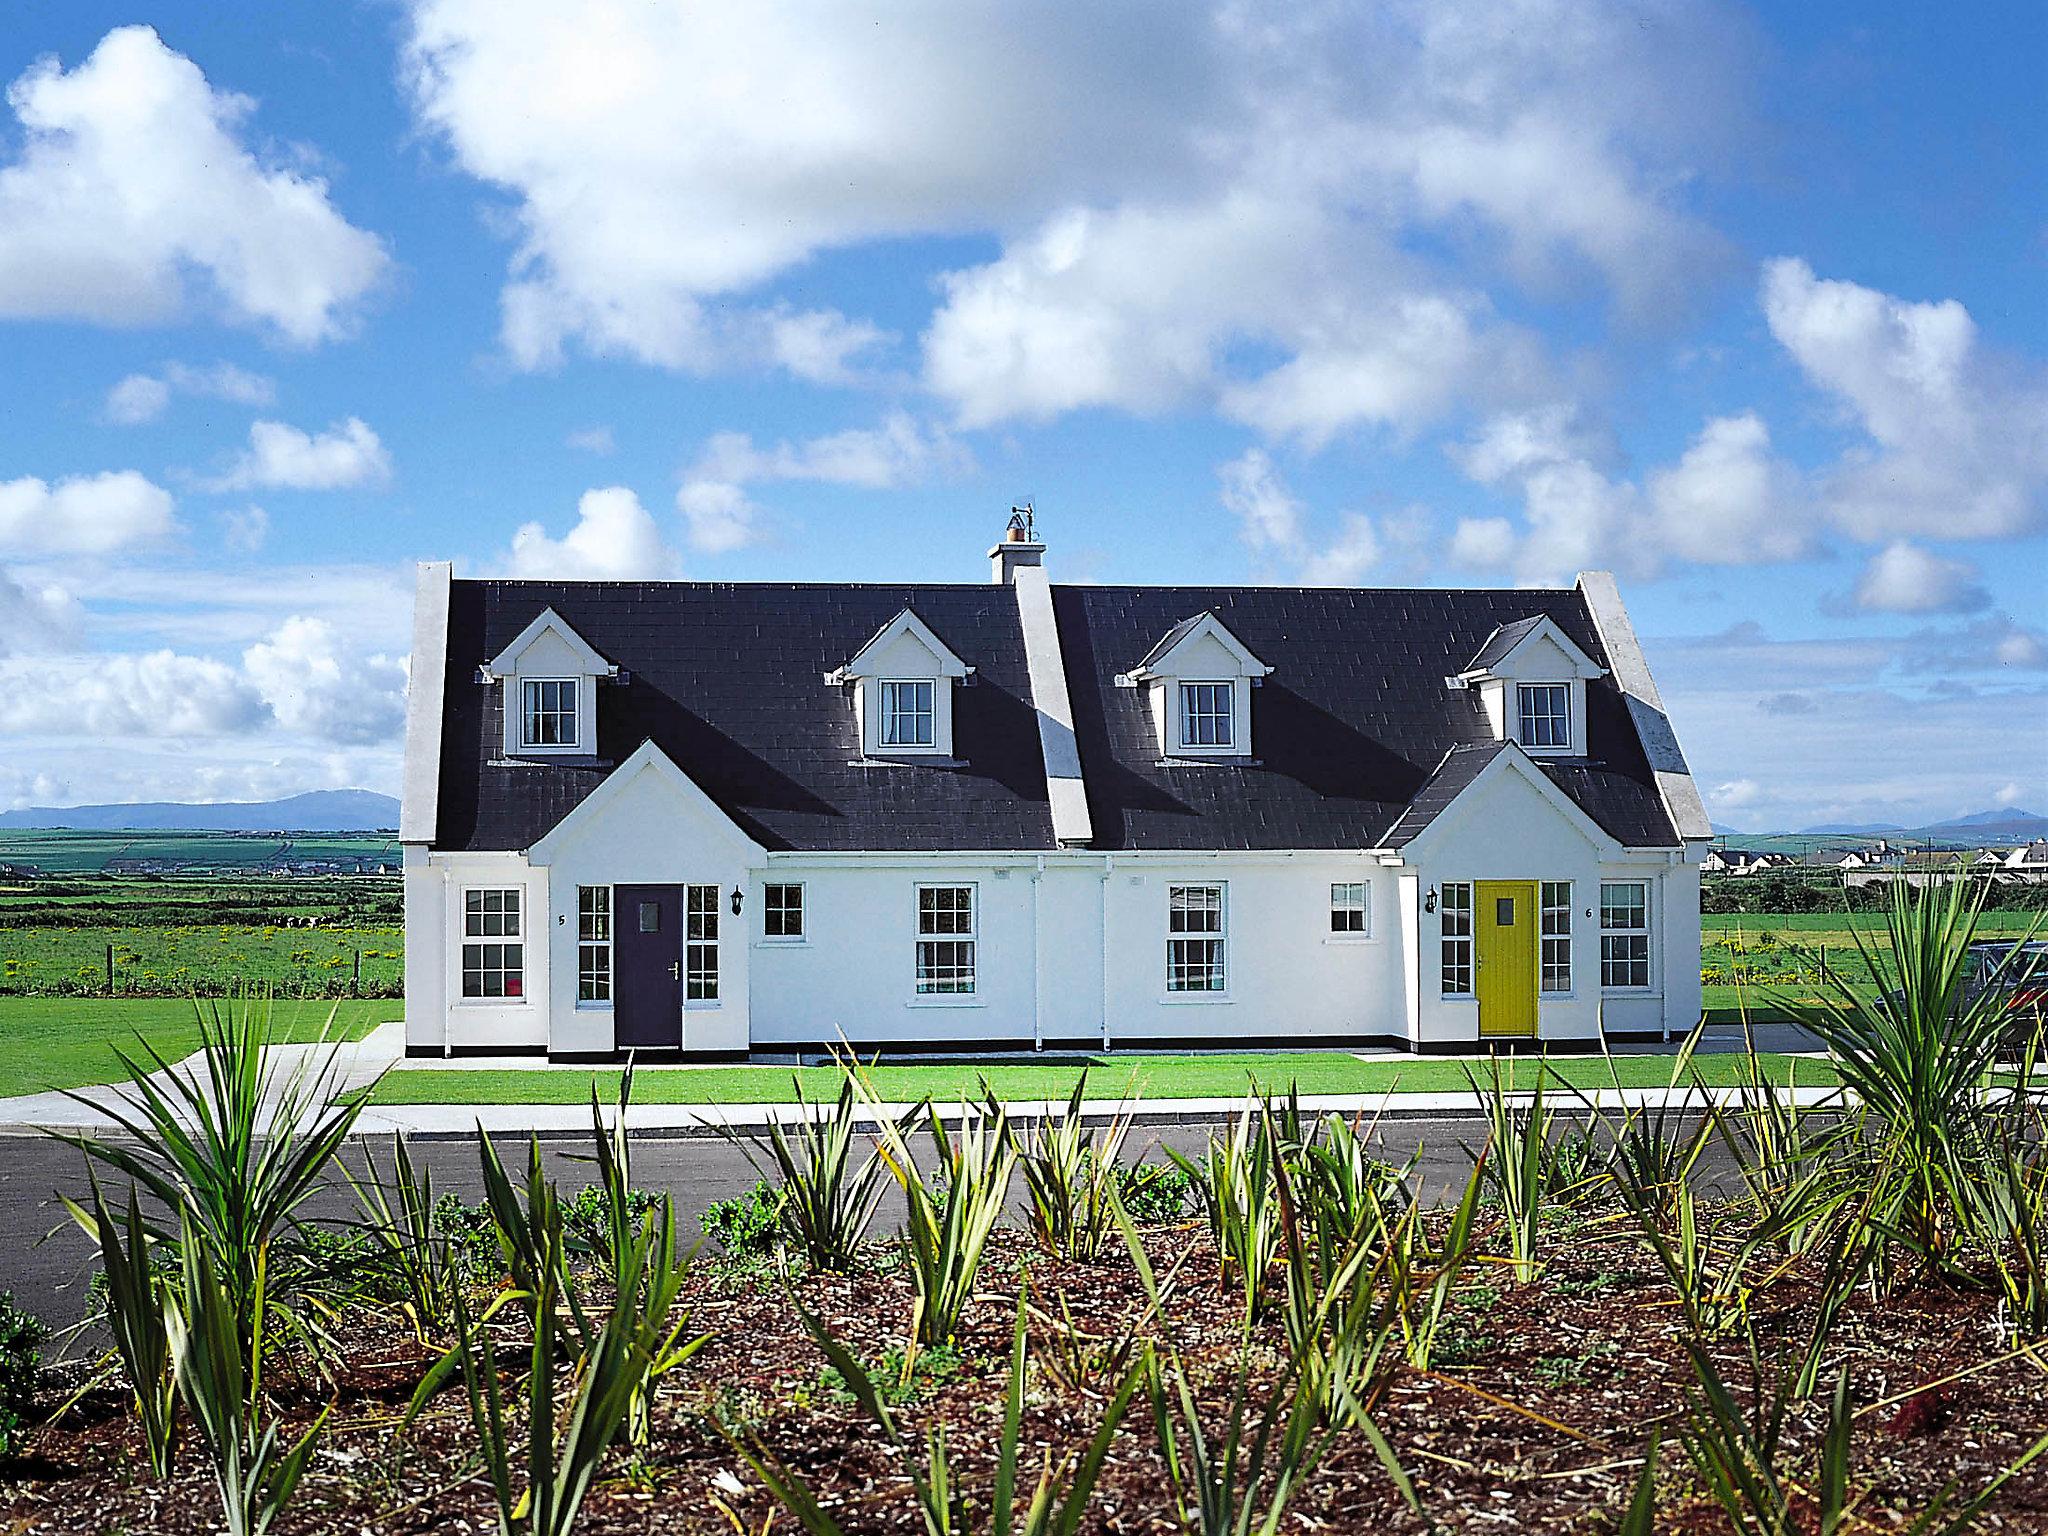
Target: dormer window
{"x": 549, "y": 676}
{"x": 1198, "y": 681}
{"x": 1208, "y": 716}
{"x": 910, "y": 713}
{"x": 550, "y": 712}
{"x": 1531, "y": 680}
{"x": 901, "y": 687}
{"x": 1543, "y": 716}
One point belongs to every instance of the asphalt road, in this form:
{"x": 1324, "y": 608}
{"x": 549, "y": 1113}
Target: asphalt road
{"x": 47, "y": 1262}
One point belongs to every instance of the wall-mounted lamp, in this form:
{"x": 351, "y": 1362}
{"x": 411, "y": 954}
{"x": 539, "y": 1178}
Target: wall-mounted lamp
{"x": 737, "y": 897}
{"x": 1429, "y": 900}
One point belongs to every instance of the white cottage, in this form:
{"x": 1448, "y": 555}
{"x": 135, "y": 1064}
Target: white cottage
{"x": 701, "y": 819}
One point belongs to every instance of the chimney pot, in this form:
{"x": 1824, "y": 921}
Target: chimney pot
{"x": 1019, "y": 546}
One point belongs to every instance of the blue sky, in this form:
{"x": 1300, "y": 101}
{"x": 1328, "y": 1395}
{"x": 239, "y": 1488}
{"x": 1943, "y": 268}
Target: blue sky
{"x": 1744, "y": 304}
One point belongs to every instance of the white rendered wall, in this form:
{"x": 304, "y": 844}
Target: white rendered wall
{"x": 1504, "y": 828}
{"x": 437, "y": 1015}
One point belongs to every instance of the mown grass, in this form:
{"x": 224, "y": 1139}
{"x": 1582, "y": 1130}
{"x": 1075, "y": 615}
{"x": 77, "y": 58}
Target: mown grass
{"x": 1109, "y": 1078}
{"x": 64, "y": 1042}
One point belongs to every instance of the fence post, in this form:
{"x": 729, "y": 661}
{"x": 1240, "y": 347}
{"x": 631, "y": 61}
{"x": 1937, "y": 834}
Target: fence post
{"x": 357, "y": 988}
{"x": 110, "y": 970}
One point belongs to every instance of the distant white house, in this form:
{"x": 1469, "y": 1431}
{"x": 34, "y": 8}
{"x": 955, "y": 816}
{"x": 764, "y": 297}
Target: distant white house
{"x": 2029, "y": 863}
{"x": 698, "y": 819}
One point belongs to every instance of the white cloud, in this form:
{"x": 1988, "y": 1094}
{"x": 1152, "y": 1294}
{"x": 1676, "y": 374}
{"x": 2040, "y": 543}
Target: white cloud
{"x": 1735, "y": 794}
{"x": 316, "y": 690}
{"x": 719, "y": 515}
{"x": 35, "y": 619}
{"x": 280, "y": 456}
{"x": 1904, "y": 578}
{"x": 615, "y": 539}
{"x": 1273, "y": 522}
{"x": 138, "y": 398}
{"x": 1729, "y": 500}
{"x": 243, "y": 529}
{"x": 1268, "y": 514}
{"x": 142, "y": 397}
{"x": 133, "y": 180}
{"x": 597, "y": 440}
{"x": 1166, "y": 182}
{"x": 1956, "y": 439}
{"x": 2009, "y": 794}
{"x": 82, "y": 515}
{"x": 156, "y": 694}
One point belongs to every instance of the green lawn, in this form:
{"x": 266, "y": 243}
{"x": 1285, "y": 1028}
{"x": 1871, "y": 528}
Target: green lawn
{"x": 1152, "y": 1077}
{"x": 63, "y": 1042}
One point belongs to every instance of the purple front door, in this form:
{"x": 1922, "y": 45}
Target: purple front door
{"x": 647, "y": 1003}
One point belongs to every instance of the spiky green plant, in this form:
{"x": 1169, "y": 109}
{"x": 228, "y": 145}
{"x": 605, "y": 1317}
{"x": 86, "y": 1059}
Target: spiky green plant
{"x": 1057, "y": 1500}
{"x": 1233, "y": 1180}
{"x": 136, "y": 1313}
{"x": 532, "y": 1239}
{"x": 219, "y": 1376}
{"x": 1916, "y": 1048}
{"x": 233, "y": 1148}
{"x": 1072, "y": 1173}
{"x": 946, "y": 1228}
{"x": 826, "y": 1194}
{"x": 1516, "y": 1158}
{"x": 398, "y": 1216}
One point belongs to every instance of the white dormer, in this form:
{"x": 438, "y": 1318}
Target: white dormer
{"x": 902, "y": 686}
{"x": 1532, "y": 678}
{"x": 1198, "y": 681}
{"x": 550, "y": 674}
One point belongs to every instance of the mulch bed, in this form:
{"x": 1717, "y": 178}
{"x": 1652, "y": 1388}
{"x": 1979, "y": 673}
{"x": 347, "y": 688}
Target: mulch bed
{"x": 1536, "y": 1420}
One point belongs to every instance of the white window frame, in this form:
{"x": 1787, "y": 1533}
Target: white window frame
{"x": 1181, "y": 910}
{"x": 1554, "y": 937}
{"x": 478, "y": 923}
{"x": 801, "y": 909}
{"x": 959, "y": 979}
{"x": 700, "y": 946}
{"x": 594, "y": 946}
{"x": 1183, "y": 692}
{"x": 1618, "y": 941}
{"x": 573, "y": 715}
{"x": 1345, "y": 907}
{"x": 1561, "y": 720}
{"x": 889, "y": 717}
{"x": 1456, "y": 916}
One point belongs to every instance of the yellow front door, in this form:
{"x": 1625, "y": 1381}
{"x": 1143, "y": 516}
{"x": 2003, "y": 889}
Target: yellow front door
{"x": 1507, "y": 956}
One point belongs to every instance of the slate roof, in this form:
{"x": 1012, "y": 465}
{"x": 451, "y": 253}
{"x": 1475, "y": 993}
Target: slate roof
{"x": 1503, "y": 640}
{"x": 1348, "y": 728}
{"x": 727, "y": 679}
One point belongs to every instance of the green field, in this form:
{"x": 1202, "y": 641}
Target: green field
{"x": 1162, "y": 1077}
{"x": 54, "y": 852}
{"x": 55, "y": 1042}
{"x": 1751, "y": 963}
{"x": 208, "y": 960}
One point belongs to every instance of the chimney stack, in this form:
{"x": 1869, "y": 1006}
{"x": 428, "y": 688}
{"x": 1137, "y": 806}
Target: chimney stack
{"x": 1019, "y": 547}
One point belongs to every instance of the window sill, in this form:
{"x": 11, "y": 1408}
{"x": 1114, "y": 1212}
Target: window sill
{"x": 782, "y": 944}
{"x": 490, "y": 1002}
{"x": 1209, "y": 760}
{"x": 1351, "y": 940}
{"x": 1459, "y": 997}
{"x": 583, "y": 1006}
{"x": 907, "y": 760}
{"x": 1630, "y": 992}
{"x": 940, "y": 1000}
{"x": 1196, "y": 999}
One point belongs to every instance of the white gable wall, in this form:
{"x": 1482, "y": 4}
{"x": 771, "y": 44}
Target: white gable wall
{"x": 1506, "y": 828}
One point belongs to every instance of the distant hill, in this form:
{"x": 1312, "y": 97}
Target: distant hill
{"x": 1991, "y": 826}
{"x": 1849, "y": 829}
{"x": 325, "y": 810}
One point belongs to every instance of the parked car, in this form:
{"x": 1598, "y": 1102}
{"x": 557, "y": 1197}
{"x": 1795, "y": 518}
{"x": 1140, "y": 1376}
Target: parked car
{"x": 2019, "y": 971}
